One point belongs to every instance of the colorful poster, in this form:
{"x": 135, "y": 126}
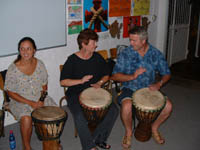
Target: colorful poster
{"x": 75, "y": 12}
{"x": 141, "y": 7}
{"x": 74, "y": 1}
{"x": 130, "y": 22}
{"x": 74, "y": 27}
{"x": 119, "y": 8}
{"x": 96, "y": 15}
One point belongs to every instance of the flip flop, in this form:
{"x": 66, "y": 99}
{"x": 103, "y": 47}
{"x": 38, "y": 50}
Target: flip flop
{"x": 94, "y": 148}
{"x": 126, "y": 141}
{"x": 158, "y": 138}
{"x": 103, "y": 145}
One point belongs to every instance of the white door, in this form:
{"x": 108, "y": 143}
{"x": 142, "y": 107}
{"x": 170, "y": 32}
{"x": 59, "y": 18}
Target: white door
{"x": 179, "y": 20}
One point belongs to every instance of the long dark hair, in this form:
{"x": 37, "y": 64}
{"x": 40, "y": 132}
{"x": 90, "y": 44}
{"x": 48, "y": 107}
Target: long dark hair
{"x": 19, "y": 44}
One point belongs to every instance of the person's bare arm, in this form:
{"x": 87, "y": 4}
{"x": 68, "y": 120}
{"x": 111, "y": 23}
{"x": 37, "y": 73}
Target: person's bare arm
{"x": 101, "y": 82}
{"x": 159, "y": 84}
{"x": 20, "y": 99}
{"x": 72, "y": 82}
{"x": 121, "y": 77}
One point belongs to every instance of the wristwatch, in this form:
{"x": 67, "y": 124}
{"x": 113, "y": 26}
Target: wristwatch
{"x": 101, "y": 81}
{"x": 161, "y": 82}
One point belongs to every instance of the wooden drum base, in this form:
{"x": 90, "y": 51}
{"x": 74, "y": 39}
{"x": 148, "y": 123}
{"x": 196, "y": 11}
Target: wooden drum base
{"x": 143, "y": 131}
{"x": 92, "y": 126}
{"x": 51, "y": 145}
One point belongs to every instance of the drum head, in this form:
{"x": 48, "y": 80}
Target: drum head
{"x": 147, "y": 100}
{"x": 95, "y": 98}
{"x": 48, "y": 113}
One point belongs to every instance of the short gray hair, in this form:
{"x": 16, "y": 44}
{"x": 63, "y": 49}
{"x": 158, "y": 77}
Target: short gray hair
{"x": 141, "y": 31}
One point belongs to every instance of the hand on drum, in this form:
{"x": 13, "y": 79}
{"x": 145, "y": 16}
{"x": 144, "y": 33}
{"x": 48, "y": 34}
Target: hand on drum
{"x": 86, "y": 78}
{"x": 154, "y": 87}
{"x": 37, "y": 104}
{"x": 96, "y": 85}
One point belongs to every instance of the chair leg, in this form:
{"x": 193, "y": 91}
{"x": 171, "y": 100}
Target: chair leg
{"x": 117, "y": 87}
{"x": 134, "y": 116}
{"x": 75, "y": 132}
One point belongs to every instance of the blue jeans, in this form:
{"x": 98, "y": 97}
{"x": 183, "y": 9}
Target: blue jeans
{"x": 103, "y": 129}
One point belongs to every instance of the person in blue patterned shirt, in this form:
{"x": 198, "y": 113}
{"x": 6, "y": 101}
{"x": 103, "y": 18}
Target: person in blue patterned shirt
{"x": 136, "y": 68}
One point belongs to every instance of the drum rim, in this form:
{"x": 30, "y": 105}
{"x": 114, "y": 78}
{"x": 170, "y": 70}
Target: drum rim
{"x": 36, "y": 120}
{"x": 64, "y": 115}
{"x": 148, "y": 110}
{"x": 95, "y": 107}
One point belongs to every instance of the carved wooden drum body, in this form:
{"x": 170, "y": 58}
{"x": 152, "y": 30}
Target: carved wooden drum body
{"x": 148, "y": 106}
{"x": 49, "y": 123}
{"x": 95, "y": 103}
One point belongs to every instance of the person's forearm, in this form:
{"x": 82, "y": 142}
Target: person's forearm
{"x": 164, "y": 80}
{"x": 70, "y": 82}
{"x": 18, "y": 98}
{"x": 122, "y": 77}
{"x": 103, "y": 80}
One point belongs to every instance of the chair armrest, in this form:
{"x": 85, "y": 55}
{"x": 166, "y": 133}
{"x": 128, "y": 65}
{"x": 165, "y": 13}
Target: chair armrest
{"x": 61, "y": 100}
{"x": 108, "y": 86}
{"x": 5, "y": 107}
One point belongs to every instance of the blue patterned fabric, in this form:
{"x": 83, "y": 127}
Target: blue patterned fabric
{"x": 129, "y": 60}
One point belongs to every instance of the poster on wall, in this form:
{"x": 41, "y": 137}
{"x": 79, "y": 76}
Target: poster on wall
{"x": 74, "y": 1}
{"x": 141, "y": 7}
{"x": 119, "y": 8}
{"x": 75, "y": 12}
{"x": 74, "y": 27}
{"x": 130, "y": 22}
{"x": 96, "y": 15}
{"x": 75, "y": 23}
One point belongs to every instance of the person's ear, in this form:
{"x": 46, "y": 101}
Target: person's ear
{"x": 83, "y": 44}
{"x": 143, "y": 41}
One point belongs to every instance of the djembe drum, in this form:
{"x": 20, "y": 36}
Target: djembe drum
{"x": 49, "y": 123}
{"x": 148, "y": 106}
{"x": 95, "y": 103}
{"x": 2, "y": 115}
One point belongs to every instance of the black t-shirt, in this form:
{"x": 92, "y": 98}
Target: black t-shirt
{"x": 77, "y": 68}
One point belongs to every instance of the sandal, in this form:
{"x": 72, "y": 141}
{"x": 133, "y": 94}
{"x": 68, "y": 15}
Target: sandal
{"x": 126, "y": 141}
{"x": 94, "y": 148}
{"x": 103, "y": 145}
{"x": 158, "y": 138}
{"x": 60, "y": 147}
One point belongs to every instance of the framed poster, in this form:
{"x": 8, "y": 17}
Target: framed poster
{"x": 130, "y": 22}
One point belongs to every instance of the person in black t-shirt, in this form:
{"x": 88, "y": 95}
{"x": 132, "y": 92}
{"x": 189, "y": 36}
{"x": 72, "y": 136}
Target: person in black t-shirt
{"x": 82, "y": 70}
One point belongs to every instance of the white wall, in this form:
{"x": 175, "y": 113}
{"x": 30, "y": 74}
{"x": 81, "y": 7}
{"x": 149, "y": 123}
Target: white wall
{"x": 158, "y": 29}
{"x": 56, "y": 56}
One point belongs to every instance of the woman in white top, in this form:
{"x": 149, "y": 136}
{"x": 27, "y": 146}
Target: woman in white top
{"x": 25, "y": 79}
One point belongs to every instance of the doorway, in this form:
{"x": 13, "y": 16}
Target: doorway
{"x": 178, "y": 30}
{"x": 184, "y": 39}
{"x": 194, "y": 34}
